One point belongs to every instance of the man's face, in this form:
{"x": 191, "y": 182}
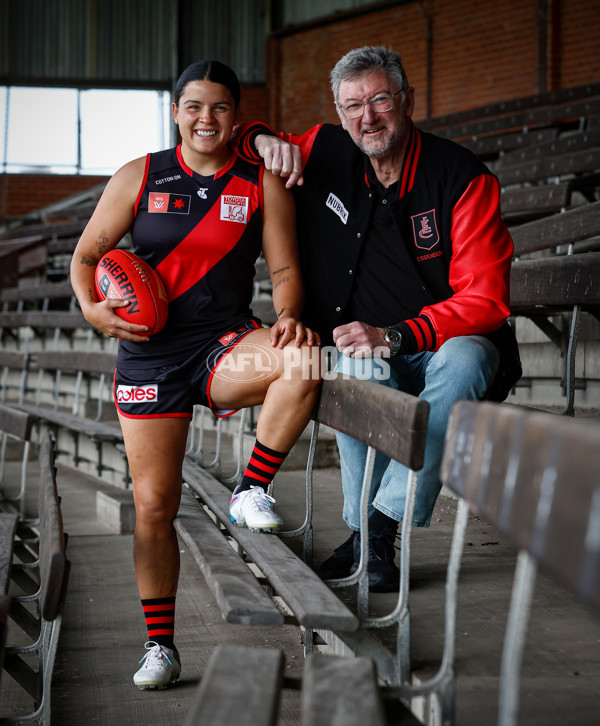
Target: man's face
{"x": 377, "y": 134}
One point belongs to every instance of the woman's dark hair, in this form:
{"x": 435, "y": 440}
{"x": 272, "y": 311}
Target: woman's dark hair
{"x": 209, "y": 70}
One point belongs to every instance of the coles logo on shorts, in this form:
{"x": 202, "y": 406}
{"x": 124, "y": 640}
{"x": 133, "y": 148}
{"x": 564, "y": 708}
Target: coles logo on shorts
{"x": 137, "y": 394}
{"x": 234, "y": 208}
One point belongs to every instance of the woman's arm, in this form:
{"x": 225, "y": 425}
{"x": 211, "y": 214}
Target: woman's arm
{"x": 110, "y": 221}
{"x": 281, "y": 255}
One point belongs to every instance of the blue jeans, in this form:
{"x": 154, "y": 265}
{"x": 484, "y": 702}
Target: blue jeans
{"x": 461, "y": 369}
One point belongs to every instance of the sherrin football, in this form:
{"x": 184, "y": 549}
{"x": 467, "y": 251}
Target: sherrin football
{"x": 122, "y": 275}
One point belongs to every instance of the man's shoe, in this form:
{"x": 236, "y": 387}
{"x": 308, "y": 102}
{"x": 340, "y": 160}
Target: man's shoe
{"x": 161, "y": 666}
{"x": 253, "y": 508}
{"x": 384, "y": 575}
{"x": 341, "y": 561}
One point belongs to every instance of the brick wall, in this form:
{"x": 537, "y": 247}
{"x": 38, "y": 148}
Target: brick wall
{"x": 23, "y": 193}
{"x": 480, "y": 53}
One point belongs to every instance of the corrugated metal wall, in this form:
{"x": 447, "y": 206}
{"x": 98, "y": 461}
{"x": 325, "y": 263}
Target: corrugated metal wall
{"x": 127, "y": 43}
{"x": 141, "y": 43}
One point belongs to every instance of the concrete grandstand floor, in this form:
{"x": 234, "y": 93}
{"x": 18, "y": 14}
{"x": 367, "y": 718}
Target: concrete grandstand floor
{"x": 103, "y": 635}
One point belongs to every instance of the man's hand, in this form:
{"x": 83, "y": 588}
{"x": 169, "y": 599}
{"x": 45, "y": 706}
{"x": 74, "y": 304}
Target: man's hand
{"x": 281, "y": 158}
{"x": 360, "y": 340}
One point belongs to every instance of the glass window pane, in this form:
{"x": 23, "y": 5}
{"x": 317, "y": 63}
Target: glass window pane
{"x": 118, "y": 126}
{"x": 42, "y": 129}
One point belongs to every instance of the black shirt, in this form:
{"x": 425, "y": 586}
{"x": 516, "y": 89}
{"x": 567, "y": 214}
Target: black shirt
{"x": 387, "y": 287}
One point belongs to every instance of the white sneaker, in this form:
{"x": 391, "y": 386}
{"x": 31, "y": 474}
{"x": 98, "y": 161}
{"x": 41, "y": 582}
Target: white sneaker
{"x": 253, "y": 508}
{"x": 161, "y": 667}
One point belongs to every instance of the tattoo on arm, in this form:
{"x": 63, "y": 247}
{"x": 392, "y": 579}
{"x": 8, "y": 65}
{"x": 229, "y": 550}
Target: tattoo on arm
{"x": 87, "y": 261}
{"x": 102, "y": 243}
{"x": 280, "y": 313}
{"x": 91, "y": 296}
{"x": 279, "y": 282}
{"x": 281, "y": 269}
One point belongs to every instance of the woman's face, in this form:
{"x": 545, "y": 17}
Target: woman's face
{"x": 205, "y": 115}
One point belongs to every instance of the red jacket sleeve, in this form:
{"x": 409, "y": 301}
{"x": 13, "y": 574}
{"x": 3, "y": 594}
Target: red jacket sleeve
{"x": 244, "y": 135}
{"x": 479, "y": 275}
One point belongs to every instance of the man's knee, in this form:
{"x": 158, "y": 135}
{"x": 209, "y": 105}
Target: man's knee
{"x": 467, "y": 361}
{"x": 366, "y": 369}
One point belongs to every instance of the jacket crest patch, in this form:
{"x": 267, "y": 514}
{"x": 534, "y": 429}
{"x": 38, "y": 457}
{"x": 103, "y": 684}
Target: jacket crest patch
{"x": 425, "y": 230}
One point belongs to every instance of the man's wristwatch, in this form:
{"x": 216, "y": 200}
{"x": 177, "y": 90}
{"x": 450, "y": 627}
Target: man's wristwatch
{"x": 394, "y": 339}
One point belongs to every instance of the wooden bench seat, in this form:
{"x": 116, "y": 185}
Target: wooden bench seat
{"x": 536, "y": 478}
{"x": 530, "y": 202}
{"x": 548, "y": 283}
{"x": 41, "y": 627}
{"x": 305, "y": 594}
{"x": 576, "y": 163}
{"x": 41, "y": 390}
{"x": 243, "y": 686}
{"x": 42, "y": 295}
{"x": 237, "y": 591}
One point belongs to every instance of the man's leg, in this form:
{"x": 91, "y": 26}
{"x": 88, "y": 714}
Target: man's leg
{"x": 353, "y": 456}
{"x": 461, "y": 369}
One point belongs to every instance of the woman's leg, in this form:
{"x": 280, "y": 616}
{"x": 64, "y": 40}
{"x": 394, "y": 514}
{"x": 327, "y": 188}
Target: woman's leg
{"x": 155, "y": 449}
{"x": 286, "y": 382}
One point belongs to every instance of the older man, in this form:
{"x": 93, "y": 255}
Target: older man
{"x": 403, "y": 249}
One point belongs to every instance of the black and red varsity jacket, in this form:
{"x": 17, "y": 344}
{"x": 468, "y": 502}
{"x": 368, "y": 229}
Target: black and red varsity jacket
{"x": 447, "y": 212}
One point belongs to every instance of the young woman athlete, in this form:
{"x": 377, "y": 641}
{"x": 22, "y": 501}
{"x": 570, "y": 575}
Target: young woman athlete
{"x": 200, "y": 216}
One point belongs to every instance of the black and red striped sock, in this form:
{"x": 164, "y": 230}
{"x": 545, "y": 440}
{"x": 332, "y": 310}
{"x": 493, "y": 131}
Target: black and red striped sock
{"x": 264, "y": 463}
{"x": 160, "y": 620}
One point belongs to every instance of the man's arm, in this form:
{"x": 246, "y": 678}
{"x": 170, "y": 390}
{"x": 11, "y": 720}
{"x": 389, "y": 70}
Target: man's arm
{"x": 283, "y": 154}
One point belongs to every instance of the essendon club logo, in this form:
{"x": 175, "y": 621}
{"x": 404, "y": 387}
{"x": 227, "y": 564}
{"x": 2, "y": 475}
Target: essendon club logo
{"x": 137, "y": 394}
{"x": 169, "y": 203}
{"x": 425, "y": 230}
{"x": 234, "y": 208}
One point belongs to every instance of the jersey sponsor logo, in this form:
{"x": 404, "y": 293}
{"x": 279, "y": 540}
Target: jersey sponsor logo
{"x": 137, "y": 394}
{"x": 425, "y": 230}
{"x": 165, "y": 179}
{"x": 336, "y": 206}
{"x": 202, "y": 192}
{"x": 234, "y": 208}
{"x": 169, "y": 203}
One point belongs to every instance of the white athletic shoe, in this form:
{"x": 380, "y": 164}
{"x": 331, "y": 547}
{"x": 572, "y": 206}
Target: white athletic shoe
{"x": 161, "y": 666}
{"x": 253, "y": 508}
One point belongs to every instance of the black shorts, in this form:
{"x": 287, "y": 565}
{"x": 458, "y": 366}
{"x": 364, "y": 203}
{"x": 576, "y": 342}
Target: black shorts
{"x": 172, "y": 390}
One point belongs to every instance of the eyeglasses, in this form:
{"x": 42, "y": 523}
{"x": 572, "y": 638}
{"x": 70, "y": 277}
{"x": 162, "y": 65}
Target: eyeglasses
{"x": 382, "y": 103}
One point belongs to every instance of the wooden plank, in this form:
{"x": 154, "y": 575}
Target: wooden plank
{"x": 513, "y": 105}
{"x": 94, "y": 429}
{"x": 576, "y": 162}
{"x": 8, "y": 528}
{"x": 241, "y": 686}
{"x": 534, "y": 201}
{"x": 51, "y": 290}
{"x": 311, "y": 601}
{"x": 40, "y": 319}
{"x": 530, "y": 118}
{"x": 567, "y": 228}
{"x": 236, "y": 589}
{"x": 15, "y": 422}
{"x": 555, "y": 283}
{"x": 53, "y": 560}
{"x": 536, "y": 477}
{"x": 552, "y": 147}
{"x": 73, "y": 361}
{"x": 491, "y": 146}
{"x": 338, "y": 690}
{"x": 392, "y": 421}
